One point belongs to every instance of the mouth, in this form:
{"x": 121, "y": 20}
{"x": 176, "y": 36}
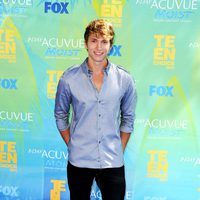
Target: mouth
{"x": 98, "y": 53}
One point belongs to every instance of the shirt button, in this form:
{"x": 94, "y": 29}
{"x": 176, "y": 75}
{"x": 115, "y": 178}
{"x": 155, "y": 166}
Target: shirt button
{"x": 99, "y": 115}
{"x": 99, "y": 142}
{"x": 99, "y": 101}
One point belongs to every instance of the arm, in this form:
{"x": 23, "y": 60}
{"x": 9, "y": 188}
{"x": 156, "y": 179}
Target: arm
{"x": 62, "y": 108}
{"x": 65, "y": 135}
{"x": 124, "y": 139}
{"x": 128, "y": 105}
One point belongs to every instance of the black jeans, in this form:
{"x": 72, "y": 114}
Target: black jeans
{"x": 111, "y": 182}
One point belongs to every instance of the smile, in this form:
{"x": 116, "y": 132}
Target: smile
{"x": 98, "y": 53}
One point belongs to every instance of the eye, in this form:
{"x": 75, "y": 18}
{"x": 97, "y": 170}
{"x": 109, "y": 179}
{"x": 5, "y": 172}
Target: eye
{"x": 105, "y": 41}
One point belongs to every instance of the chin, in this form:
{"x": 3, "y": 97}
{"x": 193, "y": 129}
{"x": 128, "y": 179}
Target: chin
{"x": 100, "y": 58}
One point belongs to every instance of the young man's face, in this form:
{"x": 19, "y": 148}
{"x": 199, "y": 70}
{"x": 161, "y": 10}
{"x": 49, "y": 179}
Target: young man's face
{"x": 98, "y": 47}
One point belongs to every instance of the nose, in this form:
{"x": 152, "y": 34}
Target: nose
{"x": 99, "y": 45}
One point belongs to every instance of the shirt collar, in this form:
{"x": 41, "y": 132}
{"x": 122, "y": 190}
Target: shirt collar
{"x": 87, "y": 71}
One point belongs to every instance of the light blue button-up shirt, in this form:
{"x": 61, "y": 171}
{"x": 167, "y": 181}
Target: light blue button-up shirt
{"x": 97, "y": 116}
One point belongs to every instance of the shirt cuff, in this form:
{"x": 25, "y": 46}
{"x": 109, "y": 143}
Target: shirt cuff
{"x": 126, "y": 129}
{"x": 62, "y": 125}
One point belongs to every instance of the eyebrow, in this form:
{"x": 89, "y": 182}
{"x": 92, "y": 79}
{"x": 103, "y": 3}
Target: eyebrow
{"x": 93, "y": 37}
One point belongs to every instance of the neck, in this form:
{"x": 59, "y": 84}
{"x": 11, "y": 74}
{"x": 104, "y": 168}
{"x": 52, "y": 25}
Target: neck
{"x": 97, "y": 67}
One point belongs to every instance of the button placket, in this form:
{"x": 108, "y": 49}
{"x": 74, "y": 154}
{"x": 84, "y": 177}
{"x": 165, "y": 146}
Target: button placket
{"x": 99, "y": 115}
{"x": 99, "y": 120}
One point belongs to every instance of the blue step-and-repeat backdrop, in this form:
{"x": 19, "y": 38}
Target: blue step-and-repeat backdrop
{"x": 158, "y": 41}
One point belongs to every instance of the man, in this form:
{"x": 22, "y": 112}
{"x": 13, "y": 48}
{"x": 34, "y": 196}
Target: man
{"x": 103, "y": 98}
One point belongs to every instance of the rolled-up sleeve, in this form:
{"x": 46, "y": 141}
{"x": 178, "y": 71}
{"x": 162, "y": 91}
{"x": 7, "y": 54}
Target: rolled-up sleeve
{"x": 128, "y": 105}
{"x": 62, "y": 105}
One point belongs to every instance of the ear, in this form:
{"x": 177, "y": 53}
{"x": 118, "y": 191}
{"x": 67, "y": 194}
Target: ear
{"x": 110, "y": 47}
{"x": 85, "y": 45}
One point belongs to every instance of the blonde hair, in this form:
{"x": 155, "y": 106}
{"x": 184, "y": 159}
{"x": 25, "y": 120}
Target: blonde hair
{"x": 100, "y": 27}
